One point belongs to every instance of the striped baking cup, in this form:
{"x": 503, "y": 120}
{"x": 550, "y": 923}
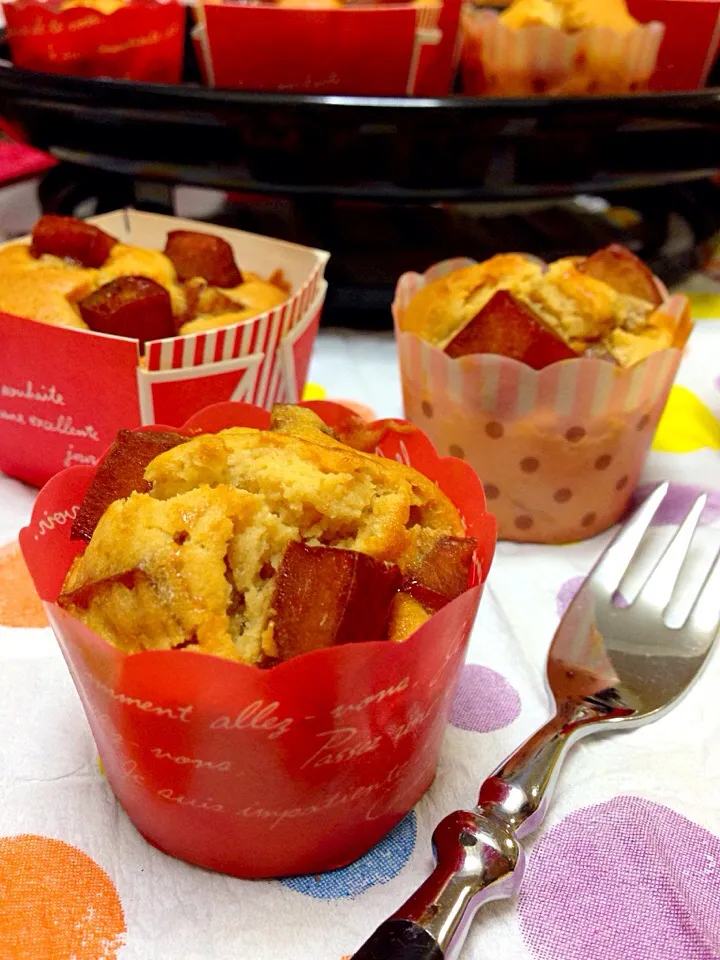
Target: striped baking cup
{"x": 559, "y": 450}
{"x": 498, "y": 60}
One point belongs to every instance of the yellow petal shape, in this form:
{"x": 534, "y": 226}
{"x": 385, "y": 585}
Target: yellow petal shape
{"x": 686, "y": 424}
{"x": 313, "y": 391}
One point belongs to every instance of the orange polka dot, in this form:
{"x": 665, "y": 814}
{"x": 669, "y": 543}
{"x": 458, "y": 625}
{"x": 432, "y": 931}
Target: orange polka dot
{"x": 56, "y": 903}
{"x": 19, "y": 604}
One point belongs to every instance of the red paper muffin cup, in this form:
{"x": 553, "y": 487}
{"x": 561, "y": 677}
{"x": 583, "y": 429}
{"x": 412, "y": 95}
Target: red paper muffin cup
{"x": 52, "y": 375}
{"x": 261, "y": 773}
{"x": 142, "y": 40}
{"x": 559, "y": 450}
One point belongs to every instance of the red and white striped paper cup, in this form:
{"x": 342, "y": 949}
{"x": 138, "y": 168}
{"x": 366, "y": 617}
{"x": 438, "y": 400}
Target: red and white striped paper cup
{"x": 65, "y": 392}
{"x": 559, "y": 450}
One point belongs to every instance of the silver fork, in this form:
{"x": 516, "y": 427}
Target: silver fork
{"x": 609, "y": 668}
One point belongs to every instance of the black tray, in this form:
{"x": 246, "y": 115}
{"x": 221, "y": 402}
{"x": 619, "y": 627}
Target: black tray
{"x": 402, "y": 149}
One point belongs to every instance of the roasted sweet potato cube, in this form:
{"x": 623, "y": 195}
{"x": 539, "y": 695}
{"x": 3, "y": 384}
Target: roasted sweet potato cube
{"x": 508, "y": 327}
{"x": 620, "y": 269}
{"x": 358, "y": 434}
{"x": 133, "y": 612}
{"x": 133, "y": 307}
{"x": 120, "y": 473}
{"x": 443, "y": 573}
{"x": 325, "y": 597}
{"x": 81, "y": 597}
{"x": 202, "y": 255}
{"x": 71, "y": 239}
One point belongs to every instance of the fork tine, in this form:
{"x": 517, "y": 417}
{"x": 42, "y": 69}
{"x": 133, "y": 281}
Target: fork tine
{"x": 612, "y": 565}
{"x": 704, "y": 615}
{"x": 658, "y": 588}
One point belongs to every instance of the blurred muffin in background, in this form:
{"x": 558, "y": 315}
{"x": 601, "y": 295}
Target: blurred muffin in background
{"x": 557, "y": 47}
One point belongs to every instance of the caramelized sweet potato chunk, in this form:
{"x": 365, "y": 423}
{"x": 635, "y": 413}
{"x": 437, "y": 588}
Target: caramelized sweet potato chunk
{"x": 360, "y": 435}
{"x": 510, "y": 328}
{"x": 325, "y": 597}
{"x": 82, "y": 596}
{"x": 620, "y": 269}
{"x": 133, "y": 307}
{"x": 443, "y": 573}
{"x": 120, "y": 473}
{"x": 71, "y": 239}
{"x": 202, "y": 255}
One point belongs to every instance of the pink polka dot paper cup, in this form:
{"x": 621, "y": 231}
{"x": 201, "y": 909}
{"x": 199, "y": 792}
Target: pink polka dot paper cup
{"x": 503, "y": 61}
{"x": 559, "y": 450}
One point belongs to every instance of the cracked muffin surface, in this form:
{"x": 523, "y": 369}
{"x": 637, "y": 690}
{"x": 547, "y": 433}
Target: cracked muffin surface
{"x": 606, "y": 305}
{"x": 193, "y": 561}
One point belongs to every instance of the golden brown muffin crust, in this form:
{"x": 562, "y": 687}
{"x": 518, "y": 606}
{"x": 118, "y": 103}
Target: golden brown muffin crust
{"x": 569, "y": 15}
{"x": 441, "y": 308}
{"x": 47, "y": 288}
{"x": 199, "y": 552}
{"x": 585, "y": 312}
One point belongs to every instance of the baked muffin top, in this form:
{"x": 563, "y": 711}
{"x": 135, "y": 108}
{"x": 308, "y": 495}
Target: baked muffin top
{"x": 439, "y": 309}
{"x": 570, "y": 15}
{"x": 50, "y": 278}
{"x": 195, "y": 560}
{"x": 586, "y": 302}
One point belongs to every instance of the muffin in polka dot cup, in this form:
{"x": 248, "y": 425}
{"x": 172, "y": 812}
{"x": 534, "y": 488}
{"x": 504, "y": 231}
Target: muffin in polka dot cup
{"x": 549, "y": 379}
{"x": 557, "y": 47}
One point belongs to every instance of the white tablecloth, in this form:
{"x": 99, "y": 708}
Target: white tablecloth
{"x": 627, "y": 864}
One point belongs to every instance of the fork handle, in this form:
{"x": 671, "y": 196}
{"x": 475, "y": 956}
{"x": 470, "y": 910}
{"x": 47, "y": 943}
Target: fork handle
{"x": 478, "y": 855}
{"x": 518, "y": 793}
{"x": 400, "y": 940}
{"x": 478, "y": 860}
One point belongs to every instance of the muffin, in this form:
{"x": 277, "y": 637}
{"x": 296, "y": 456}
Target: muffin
{"x": 258, "y": 545}
{"x": 606, "y": 305}
{"x": 303, "y": 767}
{"x": 570, "y": 15}
{"x": 558, "y": 47}
{"x": 74, "y": 274}
{"x": 548, "y": 379}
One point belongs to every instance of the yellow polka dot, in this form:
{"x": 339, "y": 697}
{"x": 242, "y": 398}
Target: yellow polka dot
{"x": 313, "y": 391}
{"x": 56, "y": 903}
{"x": 705, "y": 306}
{"x": 686, "y": 424}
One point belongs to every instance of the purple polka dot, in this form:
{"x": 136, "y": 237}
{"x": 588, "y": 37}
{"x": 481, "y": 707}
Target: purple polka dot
{"x": 678, "y": 500}
{"x": 484, "y": 701}
{"x": 628, "y": 878}
{"x": 566, "y": 593}
{"x": 568, "y": 590}
{"x": 717, "y": 383}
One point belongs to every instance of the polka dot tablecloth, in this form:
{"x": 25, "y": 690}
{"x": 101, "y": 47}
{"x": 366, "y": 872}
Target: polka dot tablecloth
{"x": 627, "y": 864}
